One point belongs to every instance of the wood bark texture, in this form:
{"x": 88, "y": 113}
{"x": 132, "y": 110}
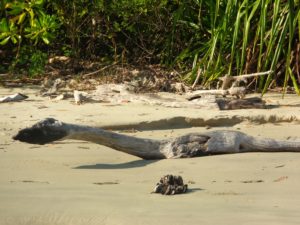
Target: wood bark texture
{"x": 190, "y": 145}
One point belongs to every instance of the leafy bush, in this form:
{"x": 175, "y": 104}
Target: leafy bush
{"x": 214, "y": 37}
{"x": 26, "y": 23}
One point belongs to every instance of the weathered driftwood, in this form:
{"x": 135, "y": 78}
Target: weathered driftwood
{"x": 190, "y": 145}
{"x": 239, "y": 92}
{"x": 230, "y": 86}
{"x": 231, "y": 81}
{"x": 13, "y": 98}
{"x": 123, "y": 93}
{"x": 120, "y": 93}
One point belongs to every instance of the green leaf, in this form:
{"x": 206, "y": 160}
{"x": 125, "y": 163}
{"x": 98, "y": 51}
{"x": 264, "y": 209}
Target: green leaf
{"x": 117, "y": 26}
{"x": 4, "y": 25}
{"x": 38, "y": 2}
{"x": 3, "y": 42}
{"x": 295, "y": 84}
{"x": 46, "y": 40}
{"x": 3, "y": 35}
{"x": 31, "y": 13}
{"x": 15, "y": 10}
{"x": 21, "y": 18}
{"x": 14, "y": 39}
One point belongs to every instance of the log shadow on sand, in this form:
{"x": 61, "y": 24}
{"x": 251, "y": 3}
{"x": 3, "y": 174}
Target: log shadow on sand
{"x": 125, "y": 165}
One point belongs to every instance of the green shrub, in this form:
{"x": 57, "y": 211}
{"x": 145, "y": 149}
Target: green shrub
{"x": 26, "y": 23}
{"x": 217, "y": 37}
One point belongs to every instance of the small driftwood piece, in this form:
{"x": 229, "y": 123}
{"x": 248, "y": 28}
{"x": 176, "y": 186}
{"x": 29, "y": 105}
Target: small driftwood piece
{"x": 232, "y": 81}
{"x": 53, "y": 90}
{"x": 229, "y": 86}
{"x": 79, "y": 97}
{"x": 199, "y": 72}
{"x": 190, "y": 145}
{"x": 239, "y": 92}
{"x": 171, "y": 185}
{"x": 13, "y": 98}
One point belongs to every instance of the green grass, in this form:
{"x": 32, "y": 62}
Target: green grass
{"x": 246, "y": 37}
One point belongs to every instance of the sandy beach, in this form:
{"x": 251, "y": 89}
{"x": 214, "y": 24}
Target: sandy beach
{"x": 79, "y": 183}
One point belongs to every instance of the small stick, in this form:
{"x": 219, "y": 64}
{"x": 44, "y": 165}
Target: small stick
{"x": 228, "y": 79}
{"x": 97, "y": 71}
{"x": 197, "y": 78}
{"x": 247, "y": 75}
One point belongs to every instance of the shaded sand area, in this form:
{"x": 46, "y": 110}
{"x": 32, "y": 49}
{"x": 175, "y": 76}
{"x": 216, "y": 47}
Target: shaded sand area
{"x": 74, "y": 183}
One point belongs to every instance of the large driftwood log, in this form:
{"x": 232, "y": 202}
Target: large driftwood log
{"x": 190, "y": 145}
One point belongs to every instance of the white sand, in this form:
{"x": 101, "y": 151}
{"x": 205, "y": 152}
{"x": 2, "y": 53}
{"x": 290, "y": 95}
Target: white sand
{"x": 54, "y": 184}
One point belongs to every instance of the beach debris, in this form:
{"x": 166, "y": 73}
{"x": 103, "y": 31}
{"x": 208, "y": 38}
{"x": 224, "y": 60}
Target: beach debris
{"x": 170, "y": 185}
{"x": 211, "y": 99}
{"x": 251, "y": 181}
{"x": 279, "y": 166}
{"x": 60, "y": 97}
{"x": 29, "y": 181}
{"x": 54, "y": 86}
{"x": 12, "y": 84}
{"x": 13, "y": 98}
{"x": 231, "y": 85}
{"x": 79, "y": 97}
{"x": 125, "y": 93}
{"x": 58, "y": 59}
{"x": 239, "y": 92}
{"x": 106, "y": 183}
{"x": 233, "y": 81}
{"x": 281, "y": 179}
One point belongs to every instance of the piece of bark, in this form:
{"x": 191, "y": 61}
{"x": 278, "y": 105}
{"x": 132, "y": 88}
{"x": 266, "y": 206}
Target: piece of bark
{"x": 190, "y": 145}
{"x": 13, "y": 98}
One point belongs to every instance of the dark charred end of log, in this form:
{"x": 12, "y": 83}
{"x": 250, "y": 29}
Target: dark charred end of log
{"x": 42, "y": 132}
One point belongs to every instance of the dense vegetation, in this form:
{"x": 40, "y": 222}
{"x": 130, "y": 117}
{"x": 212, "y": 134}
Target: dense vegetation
{"x": 212, "y": 37}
